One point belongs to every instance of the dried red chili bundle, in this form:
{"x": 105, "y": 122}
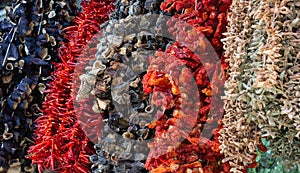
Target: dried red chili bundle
{"x": 209, "y": 18}
{"x": 181, "y": 128}
{"x": 61, "y": 143}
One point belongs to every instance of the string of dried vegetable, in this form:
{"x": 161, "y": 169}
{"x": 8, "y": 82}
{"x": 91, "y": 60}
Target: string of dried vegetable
{"x": 197, "y": 150}
{"x": 259, "y": 84}
{"x": 61, "y": 144}
{"x": 30, "y": 37}
{"x": 118, "y": 70}
{"x": 284, "y": 133}
{"x": 240, "y": 136}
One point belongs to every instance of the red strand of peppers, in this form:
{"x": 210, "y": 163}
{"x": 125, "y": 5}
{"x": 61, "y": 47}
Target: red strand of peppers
{"x": 60, "y": 143}
{"x": 208, "y": 17}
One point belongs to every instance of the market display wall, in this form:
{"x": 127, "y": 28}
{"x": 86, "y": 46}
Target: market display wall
{"x": 131, "y": 86}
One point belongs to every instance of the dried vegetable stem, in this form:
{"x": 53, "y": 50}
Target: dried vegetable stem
{"x": 60, "y": 143}
{"x": 239, "y": 136}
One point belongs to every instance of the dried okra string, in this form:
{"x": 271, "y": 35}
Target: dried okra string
{"x": 239, "y": 136}
{"x": 30, "y": 38}
{"x": 286, "y": 35}
{"x": 255, "y": 94}
{"x": 60, "y": 143}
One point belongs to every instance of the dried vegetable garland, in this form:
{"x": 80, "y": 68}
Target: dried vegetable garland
{"x": 118, "y": 70}
{"x": 286, "y": 143}
{"x": 30, "y": 37}
{"x": 254, "y": 89}
{"x": 209, "y": 18}
{"x": 132, "y": 107}
{"x": 236, "y": 122}
{"x": 61, "y": 144}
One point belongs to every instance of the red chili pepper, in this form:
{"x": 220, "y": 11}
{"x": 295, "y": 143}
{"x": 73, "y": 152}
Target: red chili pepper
{"x": 61, "y": 143}
{"x": 208, "y": 17}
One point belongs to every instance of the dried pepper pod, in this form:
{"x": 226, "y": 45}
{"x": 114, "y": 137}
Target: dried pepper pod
{"x": 27, "y": 54}
{"x": 209, "y": 19}
{"x": 60, "y": 142}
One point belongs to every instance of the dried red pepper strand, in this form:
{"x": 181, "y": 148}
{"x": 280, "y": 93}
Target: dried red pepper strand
{"x": 66, "y": 148}
{"x": 209, "y": 17}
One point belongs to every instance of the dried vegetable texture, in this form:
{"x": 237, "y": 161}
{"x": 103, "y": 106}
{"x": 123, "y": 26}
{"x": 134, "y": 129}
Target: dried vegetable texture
{"x": 30, "y": 37}
{"x": 60, "y": 142}
{"x": 196, "y": 150}
{"x": 240, "y": 136}
{"x": 267, "y": 163}
{"x": 118, "y": 70}
{"x": 283, "y": 55}
{"x": 257, "y": 81}
{"x": 87, "y": 106}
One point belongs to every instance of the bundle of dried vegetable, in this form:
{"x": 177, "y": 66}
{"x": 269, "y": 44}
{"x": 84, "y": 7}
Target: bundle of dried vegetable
{"x": 30, "y": 37}
{"x": 240, "y": 135}
{"x": 284, "y": 132}
{"x": 255, "y": 90}
{"x": 61, "y": 144}
{"x": 118, "y": 70}
{"x": 175, "y": 148}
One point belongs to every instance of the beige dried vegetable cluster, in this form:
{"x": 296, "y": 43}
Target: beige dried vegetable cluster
{"x": 286, "y": 145}
{"x": 239, "y": 137}
{"x": 262, "y": 95}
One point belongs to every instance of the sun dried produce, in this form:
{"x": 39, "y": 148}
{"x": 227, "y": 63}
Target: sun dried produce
{"x": 200, "y": 64}
{"x": 60, "y": 143}
{"x": 30, "y": 39}
{"x": 118, "y": 69}
{"x": 255, "y": 93}
{"x": 285, "y": 60}
{"x": 237, "y": 123}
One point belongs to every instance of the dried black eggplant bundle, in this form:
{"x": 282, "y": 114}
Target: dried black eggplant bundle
{"x": 115, "y": 78}
{"x": 120, "y": 64}
{"x": 30, "y": 37}
{"x": 124, "y": 8}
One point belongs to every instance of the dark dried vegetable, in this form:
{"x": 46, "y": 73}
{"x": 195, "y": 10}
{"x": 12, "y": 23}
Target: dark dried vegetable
{"x": 27, "y": 53}
{"x": 60, "y": 143}
{"x": 118, "y": 70}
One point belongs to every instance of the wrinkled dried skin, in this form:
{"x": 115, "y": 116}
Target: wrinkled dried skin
{"x": 120, "y": 63}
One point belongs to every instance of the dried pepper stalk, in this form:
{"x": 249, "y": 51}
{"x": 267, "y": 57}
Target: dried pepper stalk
{"x": 208, "y": 18}
{"x": 60, "y": 143}
{"x": 30, "y": 37}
